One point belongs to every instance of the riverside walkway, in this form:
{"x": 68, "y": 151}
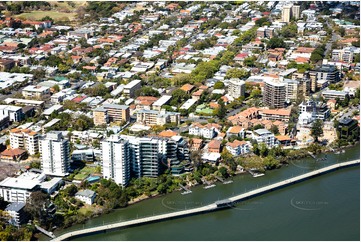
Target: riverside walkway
{"x": 212, "y": 207}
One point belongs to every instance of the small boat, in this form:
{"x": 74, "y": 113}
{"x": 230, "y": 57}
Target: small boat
{"x": 186, "y": 192}
{"x": 228, "y": 182}
{"x": 209, "y": 186}
{"x": 257, "y": 174}
{"x": 343, "y": 151}
{"x": 337, "y": 152}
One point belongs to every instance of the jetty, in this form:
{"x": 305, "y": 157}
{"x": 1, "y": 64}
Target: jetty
{"x": 47, "y": 233}
{"x": 222, "y": 204}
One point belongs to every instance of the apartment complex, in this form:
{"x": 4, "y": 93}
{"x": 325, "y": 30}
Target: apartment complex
{"x": 319, "y": 110}
{"x": 111, "y": 113}
{"x": 264, "y": 136}
{"x": 55, "y": 154}
{"x": 274, "y": 94}
{"x": 154, "y": 117}
{"x": 36, "y": 92}
{"x": 24, "y": 139}
{"x": 236, "y": 88}
{"x": 265, "y": 32}
{"x": 333, "y": 94}
{"x": 290, "y": 11}
{"x": 326, "y": 72}
{"x": 129, "y": 156}
{"x": 297, "y": 88}
{"x": 276, "y": 114}
{"x": 131, "y": 87}
{"x": 344, "y": 55}
{"x": 116, "y": 162}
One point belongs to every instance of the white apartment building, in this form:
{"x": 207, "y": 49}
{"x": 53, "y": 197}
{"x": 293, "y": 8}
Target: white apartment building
{"x": 154, "y": 117}
{"x": 24, "y": 139}
{"x": 19, "y": 189}
{"x": 55, "y": 154}
{"x": 116, "y": 160}
{"x": 207, "y": 131}
{"x": 14, "y": 113}
{"x": 147, "y": 155}
{"x": 237, "y": 147}
{"x": 131, "y": 87}
{"x": 35, "y": 91}
{"x": 344, "y": 55}
{"x": 86, "y": 196}
{"x": 264, "y": 136}
{"x": 236, "y": 88}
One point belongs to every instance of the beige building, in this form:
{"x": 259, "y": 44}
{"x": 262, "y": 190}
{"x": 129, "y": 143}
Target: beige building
{"x": 25, "y": 139}
{"x": 153, "y": 117}
{"x": 236, "y": 88}
{"x": 37, "y": 92}
{"x": 100, "y": 116}
{"x": 286, "y": 13}
{"x": 296, "y": 12}
{"x": 111, "y": 113}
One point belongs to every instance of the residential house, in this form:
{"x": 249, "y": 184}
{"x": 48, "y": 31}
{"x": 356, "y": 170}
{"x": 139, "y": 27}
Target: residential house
{"x": 214, "y": 146}
{"x": 87, "y": 196}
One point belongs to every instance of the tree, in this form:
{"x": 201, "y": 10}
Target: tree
{"x": 237, "y": 73}
{"x": 263, "y": 150}
{"x": 218, "y": 85}
{"x": 316, "y": 129}
{"x": 71, "y": 190}
{"x": 223, "y": 172}
{"x": 342, "y": 31}
{"x": 276, "y": 42}
{"x": 249, "y": 61}
{"x": 36, "y": 206}
{"x": 178, "y": 96}
{"x": 256, "y": 93}
{"x": 274, "y": 129}
{"x": 147, "y": 91}
{"x": 221, "y": 111}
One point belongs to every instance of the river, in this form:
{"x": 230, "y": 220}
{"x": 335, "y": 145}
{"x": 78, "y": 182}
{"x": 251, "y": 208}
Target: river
{"x": 322, "y": 208}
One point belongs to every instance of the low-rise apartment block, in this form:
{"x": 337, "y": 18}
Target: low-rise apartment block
{"x": 24, "y": 139}
{"x": 154, "y": 117}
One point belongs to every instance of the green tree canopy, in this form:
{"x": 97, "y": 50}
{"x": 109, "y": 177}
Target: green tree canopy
{"x": 218, "y": 85}
{"x": 276, "y": 42}
{"x": 317, "y": 129}
{"x": 240, "y": 73}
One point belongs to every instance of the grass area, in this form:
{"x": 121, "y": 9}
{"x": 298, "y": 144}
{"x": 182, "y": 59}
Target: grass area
{"x": 38, "y": 15}
{"x": 86, "y": 210}
{"x": 84, "y": 173}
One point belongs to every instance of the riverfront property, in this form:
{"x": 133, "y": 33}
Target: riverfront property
{"x": 225, "y": 203}
{"x": 337, "y": 188}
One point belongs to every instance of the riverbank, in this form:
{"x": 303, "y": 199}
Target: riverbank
{"x": 196, "y": 197}
{"x": 226, "y": 203}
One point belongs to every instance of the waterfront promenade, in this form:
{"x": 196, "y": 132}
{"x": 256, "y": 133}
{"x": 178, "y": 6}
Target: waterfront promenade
{"x": 209, "y": 208}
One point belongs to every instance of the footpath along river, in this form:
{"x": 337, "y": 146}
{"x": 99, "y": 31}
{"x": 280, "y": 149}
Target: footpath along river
{"x": 322, "y": 208}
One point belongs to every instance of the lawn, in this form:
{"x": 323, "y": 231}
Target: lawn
{"x": 38, "y": 15}
{"x": 86, "y": 210}
{"x": 84, "y": 173}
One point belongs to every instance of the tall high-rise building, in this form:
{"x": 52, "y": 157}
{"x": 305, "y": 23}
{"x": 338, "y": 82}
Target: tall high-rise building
{"x": 116, "y": 160}
{"x": 55, "y": 154}
{"x": 296, "y": 11}
{"x": 274, "y": 94}
{"x": 236, "y": 88}
{"x": 286, "y": 13}
{"x": 290, "y": 11}
{"x": 147, "y": 155}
